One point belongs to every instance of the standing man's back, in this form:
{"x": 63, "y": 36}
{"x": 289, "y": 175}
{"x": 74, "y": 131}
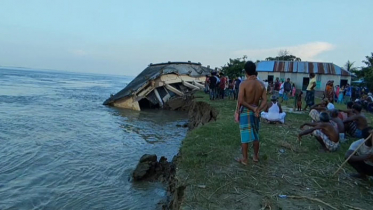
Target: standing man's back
{"x": 252, "y": 92}
{"x": 213, "y": 83}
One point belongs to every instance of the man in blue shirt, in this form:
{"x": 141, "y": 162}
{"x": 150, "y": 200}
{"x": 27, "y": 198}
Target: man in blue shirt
{"x": 236, "y": 88}
{"x": 348, "y": 93}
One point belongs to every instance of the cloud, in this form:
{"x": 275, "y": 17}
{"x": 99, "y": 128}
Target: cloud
{"x": 307, "y": 52}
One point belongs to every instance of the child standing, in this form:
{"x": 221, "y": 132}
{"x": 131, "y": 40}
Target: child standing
{"x": 293, "y": 91}
{"x": 299, "y": 101}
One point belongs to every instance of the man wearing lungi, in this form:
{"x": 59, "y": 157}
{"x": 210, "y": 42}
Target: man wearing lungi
{"x": 324, "y": 131}
{"x": 310, "y": 93}
{"x": 362, "y": 161}
{"x": 252, "y": 99}
{"x": 356, "y": 123}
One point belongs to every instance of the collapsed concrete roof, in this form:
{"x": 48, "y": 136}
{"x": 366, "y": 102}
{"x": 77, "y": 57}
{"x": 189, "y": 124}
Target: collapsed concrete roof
{"x": 186, "y": 72}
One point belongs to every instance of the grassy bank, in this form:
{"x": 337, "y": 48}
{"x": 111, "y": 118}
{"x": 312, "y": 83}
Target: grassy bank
{"x": 215, "y": 181}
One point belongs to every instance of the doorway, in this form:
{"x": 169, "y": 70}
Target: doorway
{"x": 343, "y": 82}
{"x": 270, "y": 78}
{"x": 305, "y": 83}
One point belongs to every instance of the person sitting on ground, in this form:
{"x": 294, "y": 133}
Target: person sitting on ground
{"x": 367, "y": 101}
{"x": 274, "y": 112}
{"x": 356, "y": 123}
{"x": 325, "y": 133}
{"x": 317, "y": 108}
{"x": 362, "y": 161}
{"x": 341, "y": 127}
{"x": 344, "y": 114}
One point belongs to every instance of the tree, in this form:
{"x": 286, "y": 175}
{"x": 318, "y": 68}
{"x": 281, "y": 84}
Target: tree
{"x": 283, "y": 55}
{"x": 366, "y": 72}
{"x": 234, "y": 67}
{"x": 350, "y": 66}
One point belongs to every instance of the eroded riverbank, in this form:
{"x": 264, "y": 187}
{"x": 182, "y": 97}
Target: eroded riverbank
{"x": 151, "y": 169}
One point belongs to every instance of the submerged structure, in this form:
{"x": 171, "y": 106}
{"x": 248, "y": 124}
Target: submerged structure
{"x": 159, "y": 83}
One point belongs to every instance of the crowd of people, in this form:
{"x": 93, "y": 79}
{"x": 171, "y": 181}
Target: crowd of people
{"x": 328, "y": 125}
{"x": 344, "y": 94}
{"x": 220, "y": 86}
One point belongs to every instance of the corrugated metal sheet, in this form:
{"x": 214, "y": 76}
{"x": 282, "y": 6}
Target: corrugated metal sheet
{"x": 153, "y": 71}
{"x": 301, "y": 67}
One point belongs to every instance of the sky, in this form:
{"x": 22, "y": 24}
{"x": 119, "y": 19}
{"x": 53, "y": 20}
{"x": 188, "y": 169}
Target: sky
{"x": 123, "y": 37}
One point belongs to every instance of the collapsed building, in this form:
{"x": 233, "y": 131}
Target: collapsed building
{"x": 159, "y": 83}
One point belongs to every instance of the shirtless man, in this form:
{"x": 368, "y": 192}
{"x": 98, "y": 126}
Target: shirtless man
{"x": 317, "y": 108}
{"x": 325, "y": 133}
{"x": 349, "y": 111}
{"x": 362, "y": 161}
{"x": 340, "y": 126}
{"x": 252, "y": 94}
{"x": 356, "y": 123}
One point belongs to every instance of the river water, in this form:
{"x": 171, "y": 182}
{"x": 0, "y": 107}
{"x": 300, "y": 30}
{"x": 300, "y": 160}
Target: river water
{"x": 62, "y": 149}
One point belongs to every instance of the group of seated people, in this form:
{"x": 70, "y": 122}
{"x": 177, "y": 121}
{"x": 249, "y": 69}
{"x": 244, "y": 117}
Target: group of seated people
{"x": 329, "y": 126}
{"x": 366, "y": 101}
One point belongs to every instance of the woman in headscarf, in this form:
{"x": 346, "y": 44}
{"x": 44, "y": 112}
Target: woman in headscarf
{"x": 329, "y": 91}
{"x": 341, "y": 94}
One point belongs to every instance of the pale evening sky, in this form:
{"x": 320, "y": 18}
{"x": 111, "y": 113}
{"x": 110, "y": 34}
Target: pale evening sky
{"x": 123, "y": 37}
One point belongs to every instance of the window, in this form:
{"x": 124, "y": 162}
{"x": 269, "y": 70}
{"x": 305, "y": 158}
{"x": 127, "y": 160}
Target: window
{"x": 318, "y": 77}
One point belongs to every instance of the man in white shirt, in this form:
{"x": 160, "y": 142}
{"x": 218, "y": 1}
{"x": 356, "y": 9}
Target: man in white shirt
{"x": 362, "y": 161}
{"x": 274, "y": 112}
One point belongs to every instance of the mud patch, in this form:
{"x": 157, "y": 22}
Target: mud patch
{"x": 149, "y": 169}
{"x": 199, "y": 112}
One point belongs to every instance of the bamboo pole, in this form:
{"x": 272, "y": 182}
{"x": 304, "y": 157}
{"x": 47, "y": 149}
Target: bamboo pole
{"x": 352, "y": 154}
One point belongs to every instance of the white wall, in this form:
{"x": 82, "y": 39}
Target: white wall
{"x": 297, "y": 78}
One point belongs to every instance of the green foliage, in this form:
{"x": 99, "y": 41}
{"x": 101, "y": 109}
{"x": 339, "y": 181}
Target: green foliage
{"x": 350, "y": 66}
{"x": 283, "y": 55}
{"x": 366, "y": 72}
{"x": 234, "y": 67}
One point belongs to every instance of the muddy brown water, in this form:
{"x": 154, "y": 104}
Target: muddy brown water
{"x": 62, "y": 149}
